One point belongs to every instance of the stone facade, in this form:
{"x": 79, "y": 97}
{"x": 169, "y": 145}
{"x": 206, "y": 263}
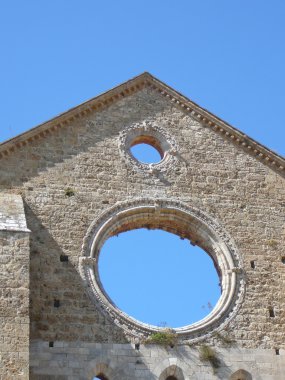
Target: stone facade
{"x": 122, "y": 361}
{"x": 214, "y": 186}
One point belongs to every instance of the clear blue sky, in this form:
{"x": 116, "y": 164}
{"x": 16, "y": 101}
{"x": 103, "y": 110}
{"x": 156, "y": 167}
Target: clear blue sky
{"x": 228, "y": 56}
{"x": 158, "y": 278}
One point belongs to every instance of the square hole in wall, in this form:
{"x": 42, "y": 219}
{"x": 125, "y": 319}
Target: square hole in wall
{"x": 63, "y": 258}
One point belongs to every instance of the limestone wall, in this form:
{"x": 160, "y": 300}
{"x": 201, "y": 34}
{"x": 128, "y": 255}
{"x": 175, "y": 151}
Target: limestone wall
{"x": 73, "y": 175}
{"x": 83, "y": 361}
{"x": 14, "y": 289}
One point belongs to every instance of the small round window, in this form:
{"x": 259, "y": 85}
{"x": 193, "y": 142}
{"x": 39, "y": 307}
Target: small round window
{"x": 146, "y": 150}
{"x": 145, "y": 145}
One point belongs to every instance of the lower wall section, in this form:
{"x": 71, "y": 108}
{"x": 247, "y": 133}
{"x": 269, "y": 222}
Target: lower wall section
{"x": 84, "y": 361}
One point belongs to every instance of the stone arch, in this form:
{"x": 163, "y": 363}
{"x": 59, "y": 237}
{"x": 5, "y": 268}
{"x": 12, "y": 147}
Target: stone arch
{"x": 105, "y": 370}
{"x": 101, "y": 377}
{"x": 100, "y": 369}
{"x": 173, "y": 372}
{"x": 241, "y": 374}
{"x": 169, "y": 368}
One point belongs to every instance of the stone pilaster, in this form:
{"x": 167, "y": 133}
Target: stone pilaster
{"x": 14, "y": 289}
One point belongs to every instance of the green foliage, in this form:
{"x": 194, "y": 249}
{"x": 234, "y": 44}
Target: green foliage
{"x": 69, "y": 192}
{"x": 164, "y": 338}
{"x": 208, "y": 354}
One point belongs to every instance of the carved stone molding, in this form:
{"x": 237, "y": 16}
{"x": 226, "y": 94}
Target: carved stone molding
{"x": 159, "y": 138}
{"x": 97, "y": 104}
{"x": 185, "y": 221}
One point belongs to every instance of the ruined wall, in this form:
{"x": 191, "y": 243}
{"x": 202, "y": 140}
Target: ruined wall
{"x": 79, "y": 171}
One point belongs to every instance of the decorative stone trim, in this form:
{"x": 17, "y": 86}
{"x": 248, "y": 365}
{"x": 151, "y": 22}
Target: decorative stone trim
{"x": 63, "y": 120}
{"x": 255, "y": 149}
{"x": 185, "y": 221}
{"x": 227, "y": 131}
{"x": 155, "y": 136}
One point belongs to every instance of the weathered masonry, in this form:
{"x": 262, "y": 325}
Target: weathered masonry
{"x": 72, "y": 182}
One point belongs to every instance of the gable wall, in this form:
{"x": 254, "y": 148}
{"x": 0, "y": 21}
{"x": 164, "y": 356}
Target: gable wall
{"x": 245, "y": 196}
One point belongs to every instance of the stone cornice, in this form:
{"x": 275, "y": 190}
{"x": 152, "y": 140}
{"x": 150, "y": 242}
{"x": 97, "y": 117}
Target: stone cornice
{"x": 230, "y": 133}
{"x": 259, "y": 151}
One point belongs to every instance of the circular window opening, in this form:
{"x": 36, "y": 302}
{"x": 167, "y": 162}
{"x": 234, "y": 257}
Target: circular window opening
{"x": 146, "y": 149}
{"x": 177, "y": 218}
{"x": 158, "y": 278}
{"x": 146, "y": 154}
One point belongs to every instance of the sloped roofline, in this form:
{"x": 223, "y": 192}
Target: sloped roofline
{"x": 209, "y": 120}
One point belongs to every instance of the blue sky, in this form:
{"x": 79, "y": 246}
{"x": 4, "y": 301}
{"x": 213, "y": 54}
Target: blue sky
{"x": 158, "y": 278}
{"x": 228, "y": 56}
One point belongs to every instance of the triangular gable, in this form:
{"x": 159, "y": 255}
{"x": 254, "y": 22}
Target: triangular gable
{"x": 252, "y": 147}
